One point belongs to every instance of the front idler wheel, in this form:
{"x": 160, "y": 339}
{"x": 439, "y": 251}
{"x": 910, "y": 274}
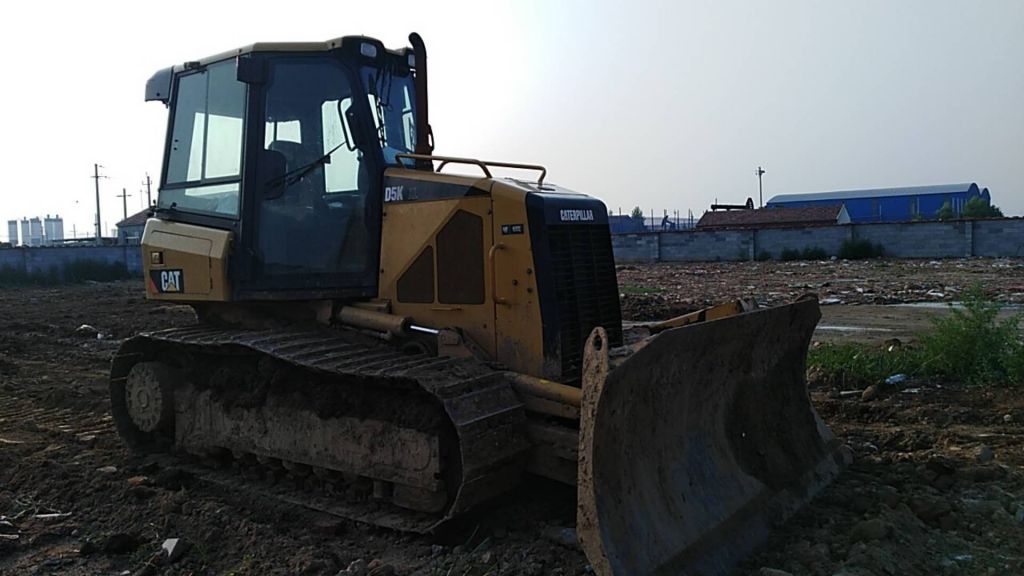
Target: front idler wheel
{"x": 143, "y": 405}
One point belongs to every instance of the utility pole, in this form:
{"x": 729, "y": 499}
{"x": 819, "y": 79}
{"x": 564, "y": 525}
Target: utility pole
{"x": 760, "y": 192}
{"x": 124, "y": 196}
{"x": 149, "y": 191}
{"x": 96, "y": 177}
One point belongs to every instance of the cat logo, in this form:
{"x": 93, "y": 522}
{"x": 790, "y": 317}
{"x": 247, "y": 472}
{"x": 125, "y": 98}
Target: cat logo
{"x": 393, "y": 194}
{"x": 168, "y": 280}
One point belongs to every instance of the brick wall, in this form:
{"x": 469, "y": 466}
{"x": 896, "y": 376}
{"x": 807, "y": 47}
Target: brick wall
{"x": 42, "y": 260}
{"x": 1000, "y": 237}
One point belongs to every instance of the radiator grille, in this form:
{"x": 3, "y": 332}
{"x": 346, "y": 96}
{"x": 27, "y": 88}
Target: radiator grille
{"x": 583, "y": 270}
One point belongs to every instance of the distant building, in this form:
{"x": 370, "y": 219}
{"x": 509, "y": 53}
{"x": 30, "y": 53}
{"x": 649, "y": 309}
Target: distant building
{"x": 12, "y": 232}
{"x": 53, "y": 230}
{"x": 31, "y": 232}
{"x": 129, "y": 230}
{"x": 775, "y": 217}
{"x": 890, "y": 204}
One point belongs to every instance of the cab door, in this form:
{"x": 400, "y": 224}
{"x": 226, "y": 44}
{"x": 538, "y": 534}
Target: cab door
{"x": 316, "y": 208}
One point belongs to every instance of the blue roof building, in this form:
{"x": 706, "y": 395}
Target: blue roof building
{"x": 890, "y": 204}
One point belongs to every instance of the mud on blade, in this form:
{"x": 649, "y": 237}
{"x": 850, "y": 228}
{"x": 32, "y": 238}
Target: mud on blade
{"x": 696, "y": 445}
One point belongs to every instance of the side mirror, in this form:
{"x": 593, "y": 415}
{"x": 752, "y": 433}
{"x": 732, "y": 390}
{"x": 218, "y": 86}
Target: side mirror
{"x": 271, "y": 169}
{"x": 352, "y": 120}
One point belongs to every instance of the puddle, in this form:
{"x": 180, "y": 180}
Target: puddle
{"x": 851, "y": 328}
{"x": 947, "y": 305}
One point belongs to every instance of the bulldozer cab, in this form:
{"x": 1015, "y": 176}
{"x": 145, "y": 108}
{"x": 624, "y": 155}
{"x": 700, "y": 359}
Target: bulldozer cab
{"x": 285, "y": 146}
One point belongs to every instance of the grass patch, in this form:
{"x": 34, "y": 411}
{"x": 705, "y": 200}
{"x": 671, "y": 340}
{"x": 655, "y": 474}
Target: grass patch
{"x": 859, "y": 365}
{"x": 640, "y": 290}
{"x": 73, "y": 272}
{"x": 970, "y": 345}
{"x": 860, "y": 250}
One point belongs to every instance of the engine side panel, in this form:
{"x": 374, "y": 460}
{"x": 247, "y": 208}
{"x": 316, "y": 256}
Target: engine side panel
{"x": 183, "y": 262}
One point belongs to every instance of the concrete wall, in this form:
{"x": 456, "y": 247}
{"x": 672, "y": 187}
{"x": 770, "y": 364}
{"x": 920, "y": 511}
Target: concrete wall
{"x": 42, "y": 260}
{"x": 1003, "y": 237}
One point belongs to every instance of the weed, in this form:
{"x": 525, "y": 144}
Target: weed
{"x": 808, "y": 253}
{"x": 859, "y": 365}
{"x": 640, "y": 290}
{"x": 860, "y": 250}
{"x": 789, "y": 254}
{"x": 970, "y": 345}
{"x": 973, "y": 346}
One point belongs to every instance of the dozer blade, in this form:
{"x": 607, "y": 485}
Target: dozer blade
{"x": 698, "y": 443}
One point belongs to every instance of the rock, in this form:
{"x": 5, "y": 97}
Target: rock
{"x": 437, "y": 550}
{"x": 941, "y": 465}
{"x": 142, "y": 492}
{"x": 944, "y": 482}
{"x": 173, "y": 479}
{"x": 868, "y": 530}
{"x": 119, "y": 543}
{"x": 773, "y": 572}
{"x": 929, "y": 509}
{"x": 948, "y": 522}
{"x": 86, "y": 331}
{"x": 870, "y": 393}
{"x": 1008, "y": 418}
{"x": 564, "y": 536}
{"x": 983, "y": 507}
{"x": 486, "y": 557}
{"x": 356, "y": 568}
{"x": 107, "y": 469}
{"x": 138, "y": 481}
{"x": 378, "y": 567}
{"x": 985, "y": 454}
{"x": 173, "y": 548}
{"x": 87, "y": 548}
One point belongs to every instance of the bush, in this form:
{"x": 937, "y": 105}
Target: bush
{"x": 972, "y": 346}
{"x": 814, "y": 253}
{"x": 789, "y": 254}
{"x": 808, "y": 253}
{"x": 860, "y": 250}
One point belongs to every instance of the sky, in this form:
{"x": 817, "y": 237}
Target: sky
{"x": 669, "y": 105}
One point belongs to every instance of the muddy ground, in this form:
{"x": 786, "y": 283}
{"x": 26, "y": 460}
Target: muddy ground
{"x": 936, "y": 487}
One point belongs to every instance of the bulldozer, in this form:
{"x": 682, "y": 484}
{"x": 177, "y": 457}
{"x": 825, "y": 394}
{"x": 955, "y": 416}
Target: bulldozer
{"x": 415, "y": 340}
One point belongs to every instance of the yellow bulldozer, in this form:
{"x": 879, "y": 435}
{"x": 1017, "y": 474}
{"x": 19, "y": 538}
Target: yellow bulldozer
{"x": 417, "y": 339}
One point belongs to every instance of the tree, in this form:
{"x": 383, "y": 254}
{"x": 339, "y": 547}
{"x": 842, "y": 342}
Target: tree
{"x": 978, "y": 208}
{"x": 637, "y": 213}
{"x": 945, "y": 213}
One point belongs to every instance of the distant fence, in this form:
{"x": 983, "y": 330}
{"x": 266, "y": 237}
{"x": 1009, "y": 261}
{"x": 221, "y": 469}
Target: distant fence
{"x": 55, "y": 261}
{"x": 997, "y": 237}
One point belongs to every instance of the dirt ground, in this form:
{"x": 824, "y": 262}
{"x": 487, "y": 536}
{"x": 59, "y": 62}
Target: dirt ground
{"x": 937, "y": 485}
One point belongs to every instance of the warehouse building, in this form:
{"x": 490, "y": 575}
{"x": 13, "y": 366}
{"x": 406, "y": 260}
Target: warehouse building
{"x": 890, "y": 204}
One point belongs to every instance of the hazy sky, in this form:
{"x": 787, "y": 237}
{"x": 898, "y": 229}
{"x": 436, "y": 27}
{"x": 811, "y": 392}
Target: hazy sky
{"x": 668, "y": 105}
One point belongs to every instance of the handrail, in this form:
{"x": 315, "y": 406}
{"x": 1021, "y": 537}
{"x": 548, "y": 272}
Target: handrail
{"x": 492, "y": 257}
{"x": 482, "y": 164}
